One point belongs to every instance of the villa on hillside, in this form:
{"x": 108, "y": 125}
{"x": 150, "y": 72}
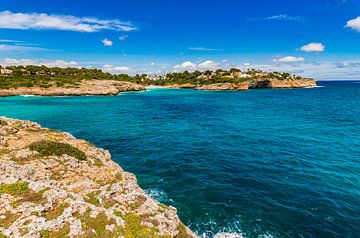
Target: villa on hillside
{"x": 6, "y": 72}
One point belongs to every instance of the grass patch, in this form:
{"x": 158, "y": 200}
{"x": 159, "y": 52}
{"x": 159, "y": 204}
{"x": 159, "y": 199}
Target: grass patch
{"x": 182, "y": 231}
{"x": 92, "y": 198}
{"x": 61, "y": 233}
{"x": 134, "y": 229}
{"x": 98, "y": 224}
{"x": 15, "y": 188}
{"x": 55, "y": 212}
{"x": 163, "y": 206}
{"x": 51, "y": 148}
{"x": 2, "y": 235}
{"x": 9, "y": 219}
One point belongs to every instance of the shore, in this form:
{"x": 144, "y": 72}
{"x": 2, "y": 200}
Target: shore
{"x": 247, "y": 85}
{"x": 54, "y": 185}
{"x": 85, "y": 87}
{"x": 112, "y": 87}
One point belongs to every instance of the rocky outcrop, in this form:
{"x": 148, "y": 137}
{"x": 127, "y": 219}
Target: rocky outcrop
{"x": 54, "y": 185}
{"x": 284, "y": 83}
{"x": 251, "y": 84}
{"x": 85, "y": 87}
{"x": 223, "y": 87}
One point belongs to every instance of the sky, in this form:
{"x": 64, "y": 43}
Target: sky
{"x": 314, "y": 38}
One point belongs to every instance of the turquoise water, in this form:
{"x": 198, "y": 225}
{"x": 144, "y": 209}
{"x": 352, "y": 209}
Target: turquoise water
{"x": 260, "y": 163}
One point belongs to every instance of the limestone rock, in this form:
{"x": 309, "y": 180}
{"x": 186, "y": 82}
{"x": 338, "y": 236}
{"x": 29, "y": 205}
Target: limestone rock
{"x": 54, "y": 185}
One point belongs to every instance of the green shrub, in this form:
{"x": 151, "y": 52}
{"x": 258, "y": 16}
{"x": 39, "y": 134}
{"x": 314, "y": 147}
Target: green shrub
{"x": 15, "y": 188}
{"x": 52, "y": 148}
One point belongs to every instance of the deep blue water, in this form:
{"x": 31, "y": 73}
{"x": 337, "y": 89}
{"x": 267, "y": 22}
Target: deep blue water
{"x": 261, "y": 163}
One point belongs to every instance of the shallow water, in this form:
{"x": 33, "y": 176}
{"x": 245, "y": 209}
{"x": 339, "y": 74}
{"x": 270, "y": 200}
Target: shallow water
{"x": 259, "y": 163}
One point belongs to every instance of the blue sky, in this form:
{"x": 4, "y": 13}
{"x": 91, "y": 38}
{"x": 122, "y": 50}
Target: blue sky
{"x": 315, "y": 38}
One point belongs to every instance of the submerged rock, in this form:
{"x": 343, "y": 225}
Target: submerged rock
{"x": 54, "y": 185}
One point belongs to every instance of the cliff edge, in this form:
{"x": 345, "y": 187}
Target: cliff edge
{"x": 54, "y": 185}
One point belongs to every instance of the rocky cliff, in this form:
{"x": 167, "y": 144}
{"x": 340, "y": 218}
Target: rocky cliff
{"x": 251, "y": 84}
{"x": 54, "y": 185}
{"x": 85, "y": 87}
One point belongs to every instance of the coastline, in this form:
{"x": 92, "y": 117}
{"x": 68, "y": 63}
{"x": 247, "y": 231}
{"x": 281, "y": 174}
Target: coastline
{"x": 247, "y": 85}
{"x": 85, "y": 88}
{"x": 113, "y": 88}
{"x": 67, "y": 187}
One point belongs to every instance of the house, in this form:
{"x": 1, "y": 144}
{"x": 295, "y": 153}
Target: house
{"x": 236, "y": 74}
{"x": 42, "y": 73}
{"x": 244, "y": 76}
{"x": 6, "y": 72}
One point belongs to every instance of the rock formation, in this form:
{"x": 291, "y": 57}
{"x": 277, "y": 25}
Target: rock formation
{"x": 54, "y": 185}
{"x": 85, "y": 87}
{"x": 251, "y": 84}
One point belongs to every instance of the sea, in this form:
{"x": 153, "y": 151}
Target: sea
{"x": 259, "y": 163}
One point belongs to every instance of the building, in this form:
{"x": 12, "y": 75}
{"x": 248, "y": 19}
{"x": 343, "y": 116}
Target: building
{"x": 244, "y": 76}
{"x": 6, "y": 72}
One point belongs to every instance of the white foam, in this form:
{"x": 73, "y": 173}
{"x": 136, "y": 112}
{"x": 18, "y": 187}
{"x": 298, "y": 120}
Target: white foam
{"x": 158, "y": 194}
{"x": 26, "y": 95}
{"x": 229, "y": 235}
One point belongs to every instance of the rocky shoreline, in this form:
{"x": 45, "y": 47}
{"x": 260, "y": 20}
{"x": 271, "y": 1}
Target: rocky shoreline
{"x": 84, "y": 88}
{"x": 113, "y": 87}
{"x": 54, "y": 185}
{"x": 251, "y": 84}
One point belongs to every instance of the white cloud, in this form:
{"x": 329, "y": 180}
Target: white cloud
{"x": 280, "y": 17}
{"x": 107, "y": 42}
{"x": 48, "y": 63}
{"x": 313, "y": 47}
{"x": 202, "y": 66}
{"x": 19, "y": 48}
{"x": 203, "y": 49}
{"x": 285, "y": 17}
{"x": 354, "y": 24}
{"x": 208, "y": 65}
{"x": 9, "y": 41}
{"x": 123, "y": 37}
{"x": 188, "y": 65}
{"x": 289, "y": 59}
{"x": 318, "y": 70}
{"x": 116, "y": 69}
{"x": 43, "y": 21}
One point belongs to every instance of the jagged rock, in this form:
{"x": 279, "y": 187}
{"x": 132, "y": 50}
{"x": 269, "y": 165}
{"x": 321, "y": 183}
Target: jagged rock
{"x": 52, "y": 184}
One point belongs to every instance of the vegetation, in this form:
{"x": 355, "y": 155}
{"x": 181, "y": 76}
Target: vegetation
{"x": 182, "y": 231}
{"x": 134, "y": 229}
{"x": 92, "y": 198}
{"x": 42, "y": 76}
{"x": 52, "y": 148}
{"x": 15, "y": 188}
{"x": 61, "y": 233}
{"x": 96, "y": 227}
{"x": 55, "y": 212}
{"x": 8, "y": 220}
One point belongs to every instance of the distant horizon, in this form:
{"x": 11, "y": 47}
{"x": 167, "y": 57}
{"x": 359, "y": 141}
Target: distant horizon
{"x": 160, "y": 37}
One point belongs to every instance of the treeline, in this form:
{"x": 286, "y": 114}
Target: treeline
{"x": 42, "y": 76}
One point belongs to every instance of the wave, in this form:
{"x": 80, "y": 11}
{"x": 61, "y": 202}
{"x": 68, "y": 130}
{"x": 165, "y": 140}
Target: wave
{"x": 228, "y": 235}
{"x": 28, "y": 95}
{"x": 158, "y": 195}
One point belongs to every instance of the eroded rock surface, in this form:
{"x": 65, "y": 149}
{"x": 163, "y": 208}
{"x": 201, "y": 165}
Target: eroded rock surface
{"x": 85, "y": 87}
{"x": 54, "y": 185}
